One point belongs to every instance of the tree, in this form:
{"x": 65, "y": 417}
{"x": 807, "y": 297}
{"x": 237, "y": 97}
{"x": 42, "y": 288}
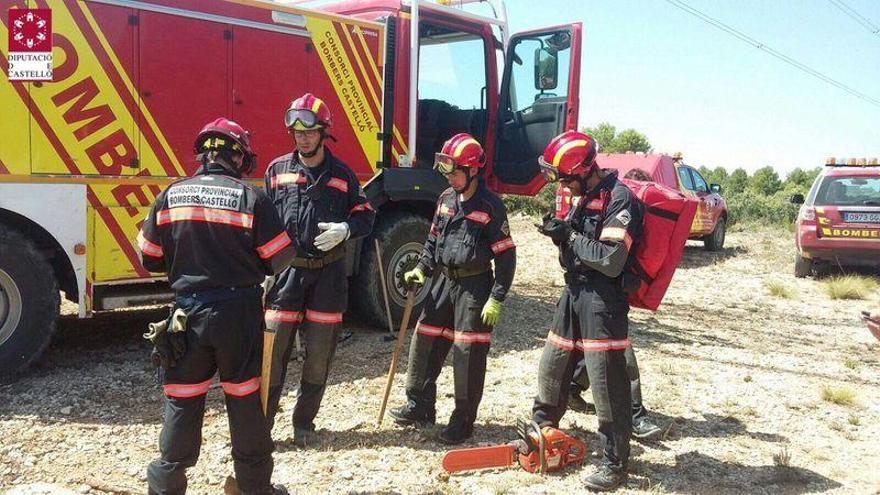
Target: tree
{"x": 610, "y": 141}
{"x": 604, "y": 134}
{"x": 799, "y": 178}
{"x": 737, "y": 181}
{"x": 765, "y": 181}
{"x": 631, "y": 140}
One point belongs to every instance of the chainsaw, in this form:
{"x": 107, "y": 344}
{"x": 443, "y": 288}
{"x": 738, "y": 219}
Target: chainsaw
{"x": 538, "y": 450}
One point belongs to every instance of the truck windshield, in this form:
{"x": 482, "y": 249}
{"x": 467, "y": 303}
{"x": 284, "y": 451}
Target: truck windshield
{"x": 849, "y": 191}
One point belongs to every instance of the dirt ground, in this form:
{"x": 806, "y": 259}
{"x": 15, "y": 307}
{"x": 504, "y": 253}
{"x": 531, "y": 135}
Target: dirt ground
{"x": 734, "y": 375}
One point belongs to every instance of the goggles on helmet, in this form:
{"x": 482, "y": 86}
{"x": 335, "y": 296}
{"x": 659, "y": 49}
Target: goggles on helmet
{"x": 445, "y": 164}
{"x": 306, "y": 118}
{"x": 551, "y": 173}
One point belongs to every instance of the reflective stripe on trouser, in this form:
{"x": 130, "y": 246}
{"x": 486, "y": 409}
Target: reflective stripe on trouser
{"x": 451, "y": 320}
{"x": 224, "y": 337}
{"x": 310, "y": 302}
{"x": 581, "y": 381}
{"x": 590, "y": 324}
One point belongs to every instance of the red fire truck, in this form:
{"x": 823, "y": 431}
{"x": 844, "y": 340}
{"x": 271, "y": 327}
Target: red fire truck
{"x": 83, "y": 155}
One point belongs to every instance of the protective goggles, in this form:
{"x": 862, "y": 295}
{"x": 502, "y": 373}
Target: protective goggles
{"x": 445, "y": 164}
{"x": 306, "y": 119}
{"x": 551, "y": 173}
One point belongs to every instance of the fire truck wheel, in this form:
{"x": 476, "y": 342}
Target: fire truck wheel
{"x": 803, "y": 267}
{"x": 401, "y": 237}
{"x": 715, "y": 240}
{"x": 29, "y": 302}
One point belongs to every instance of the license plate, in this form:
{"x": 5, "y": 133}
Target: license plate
{"x": 861, "y": 217}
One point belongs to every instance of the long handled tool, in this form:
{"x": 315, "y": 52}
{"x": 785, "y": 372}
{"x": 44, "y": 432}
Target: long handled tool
{"x": 401, "y": 336}
{"x": 384, "y": 290}
{"x": 265, "y": 378}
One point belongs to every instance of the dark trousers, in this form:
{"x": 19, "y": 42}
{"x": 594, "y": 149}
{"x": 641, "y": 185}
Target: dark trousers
{"x": 451, "y": 320}
{"x": 590, "y": 325}
{"x": 581, "y": 381}
{"x": 224, "y": 337}
{"x": 310, "y": 302}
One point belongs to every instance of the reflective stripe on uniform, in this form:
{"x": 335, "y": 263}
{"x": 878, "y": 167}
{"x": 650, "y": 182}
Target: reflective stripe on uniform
{"x": 275, "y": 315}
{"x": 147, "y": 247}
{"x": 454, "y": 335}
{"x": 287, "y": 178}
{"x": 186, "y": 390}
{"x": 616, "y": 234}
{"x": 503, "y": 245}
{"x": 211, "y": 215}
{"x": 338, "y": 184}
{"x": 587, "y": 345}
{"x": 479, "y": 217}
{"x": 324, "y": 318}
{"x": 361, "y": 207}
{"x": 272, "y": 247}
{"x": 241, "y": 389}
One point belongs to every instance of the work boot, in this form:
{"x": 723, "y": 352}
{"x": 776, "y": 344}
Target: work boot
{"x": 644, "y": 429}
{"x": 279, "y": 489}
{"x": 303, "y": 437}
{"x": 412, "y": 413}
{"x": 455, "y": 433}
{"x": 577, "y": 403}
{"x": 605, "y": 480}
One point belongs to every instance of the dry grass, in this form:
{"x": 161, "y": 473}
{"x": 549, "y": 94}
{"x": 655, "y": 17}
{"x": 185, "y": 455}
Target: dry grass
{"x": 850, "y": 287}
{"x": 851, "y": 363}
{"x": 842, "y": 396}
{"x": 779, "y": 289}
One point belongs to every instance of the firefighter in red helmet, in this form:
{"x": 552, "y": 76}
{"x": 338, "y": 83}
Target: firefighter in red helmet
{"x": 217, "y": 237}
{"x": 595, "y": 240}
{"x": 469, "y": 232}
{"x": 322, "y": 205}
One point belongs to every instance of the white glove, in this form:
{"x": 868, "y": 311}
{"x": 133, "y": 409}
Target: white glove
{"x": 333, "y": 234}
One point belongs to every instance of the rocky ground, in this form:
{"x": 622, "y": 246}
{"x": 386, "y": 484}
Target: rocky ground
{"x": 734, "y": 375}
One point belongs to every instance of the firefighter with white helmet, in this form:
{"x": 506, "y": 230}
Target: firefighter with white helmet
{"x": 595, "y": 240}
{"x": 322, "y": 205}
{"x": 469, "y": 232}
{"x": 217, "y": 237}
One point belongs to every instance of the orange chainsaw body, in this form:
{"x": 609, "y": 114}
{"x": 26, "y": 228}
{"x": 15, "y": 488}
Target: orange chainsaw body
{"x": 539, "y": 450}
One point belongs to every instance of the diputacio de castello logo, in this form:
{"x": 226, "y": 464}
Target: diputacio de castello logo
{"x": 30, "y": 44}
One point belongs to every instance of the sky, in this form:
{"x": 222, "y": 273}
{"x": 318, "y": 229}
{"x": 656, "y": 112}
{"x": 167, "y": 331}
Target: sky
{"x": 692, "y": 88}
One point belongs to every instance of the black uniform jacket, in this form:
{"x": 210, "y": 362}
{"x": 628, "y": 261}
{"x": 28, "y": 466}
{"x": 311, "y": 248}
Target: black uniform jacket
{"x": 304, "y": 197}
{"x": 468, "y": 235}
{"x": 213, "y": 230}
{"x": 607, "y": 224}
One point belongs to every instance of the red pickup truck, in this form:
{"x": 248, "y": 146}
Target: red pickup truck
{"x": 839, "y": 220}
{"x": 710, "y": 221}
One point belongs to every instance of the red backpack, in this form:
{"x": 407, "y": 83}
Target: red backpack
{"x": 667, "y": 226}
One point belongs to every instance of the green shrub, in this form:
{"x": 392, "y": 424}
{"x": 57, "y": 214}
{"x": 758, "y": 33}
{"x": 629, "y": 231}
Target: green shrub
{"x": 541, "y": 203}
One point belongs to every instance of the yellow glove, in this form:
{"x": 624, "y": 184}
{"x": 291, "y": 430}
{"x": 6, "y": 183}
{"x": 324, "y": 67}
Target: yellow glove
{"x": 491, "y": 311}
{"x": 414, "y": 278}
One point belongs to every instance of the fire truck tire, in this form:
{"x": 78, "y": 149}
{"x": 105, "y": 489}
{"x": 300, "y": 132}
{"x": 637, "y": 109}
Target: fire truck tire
{"x": 29, "y": 302}
{"x": 803, "y": 267}
{"x": 401, "y": 237}
{"x": 715, "y": 240}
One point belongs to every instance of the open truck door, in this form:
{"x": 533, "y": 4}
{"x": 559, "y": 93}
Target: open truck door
{"x": 539, "y": 100}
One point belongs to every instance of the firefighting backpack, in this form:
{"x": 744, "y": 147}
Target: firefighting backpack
{"x": 667, "y": 226}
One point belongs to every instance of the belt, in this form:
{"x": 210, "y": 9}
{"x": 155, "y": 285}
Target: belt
{"x": 590, "y": 277}
{"x": 457, "y": 273}
{"x": 316, "y": 263}
{"x": 208, "y": 296}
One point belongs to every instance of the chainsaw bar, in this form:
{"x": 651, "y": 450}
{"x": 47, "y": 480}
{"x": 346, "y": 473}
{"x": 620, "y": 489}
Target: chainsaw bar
{"x": 480, "y": 458}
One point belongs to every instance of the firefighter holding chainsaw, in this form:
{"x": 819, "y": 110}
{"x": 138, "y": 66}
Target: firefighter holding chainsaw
{"x": 322, "y": 205}
{"x": 595, "y": 240}
{"x": 469, "y": 232}
{"x": 217, "y": 238}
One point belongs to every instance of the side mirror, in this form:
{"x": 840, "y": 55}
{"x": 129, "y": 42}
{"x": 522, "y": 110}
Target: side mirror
{"x": 546, "y": 69}
{"x": 715, "y": 188}
{"x": 797, "y": 199}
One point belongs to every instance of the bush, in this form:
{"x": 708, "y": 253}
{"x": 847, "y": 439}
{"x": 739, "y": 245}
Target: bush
{"x": 850, "y": 287}
{"x": 541, "y": 203}
{"x": 842, "y": 396}
{"x": 752, "y": 206}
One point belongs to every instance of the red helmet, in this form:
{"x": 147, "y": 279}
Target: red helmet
{"x": 570, "y": 153}
{"x": 308, "y": 112}
{"x": 223, "y": 133}
{"x": 461, "y": 150}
